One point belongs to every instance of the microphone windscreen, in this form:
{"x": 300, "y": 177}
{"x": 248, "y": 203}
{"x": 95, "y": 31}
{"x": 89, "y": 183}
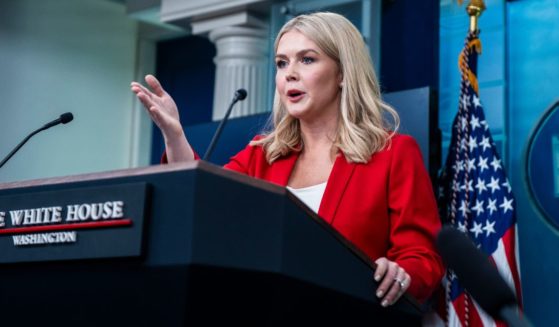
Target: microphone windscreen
{"x": 241, "y": 94}
{"x": 474, "y": 271}
{"x": 66, "y": 117}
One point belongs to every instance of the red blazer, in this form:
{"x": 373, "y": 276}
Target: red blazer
{"x": 385, "y": 207}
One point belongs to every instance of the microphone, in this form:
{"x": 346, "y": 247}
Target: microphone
{"x": 240, "y": 95}
{"x": 65, "y": 118}
{"x": 478, "y": 276}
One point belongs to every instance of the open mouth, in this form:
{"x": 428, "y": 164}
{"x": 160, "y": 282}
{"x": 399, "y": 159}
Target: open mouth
{"x": 295, "y": 94}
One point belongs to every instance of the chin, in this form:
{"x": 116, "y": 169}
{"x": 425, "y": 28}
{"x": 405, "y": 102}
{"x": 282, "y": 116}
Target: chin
{"x": 298, "y": 114}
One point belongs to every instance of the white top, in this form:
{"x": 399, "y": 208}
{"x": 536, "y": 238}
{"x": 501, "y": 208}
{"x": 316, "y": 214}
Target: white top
{"x": 311, "y": 195}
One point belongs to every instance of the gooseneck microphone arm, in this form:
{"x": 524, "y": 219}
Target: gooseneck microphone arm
{"x": 63, "y": 119}
{"x": 240, "y": 95}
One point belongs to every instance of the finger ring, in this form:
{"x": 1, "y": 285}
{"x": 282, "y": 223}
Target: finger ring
{"x": 400, "y": 282}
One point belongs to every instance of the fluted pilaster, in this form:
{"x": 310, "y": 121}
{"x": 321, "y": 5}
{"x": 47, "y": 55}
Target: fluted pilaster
{"x": 241, "y": 62}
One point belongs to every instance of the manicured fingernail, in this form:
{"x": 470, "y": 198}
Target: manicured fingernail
{"x": 384, "y": 303}
{"x": 377, "y": 277}
{"x": 379, "y": 293}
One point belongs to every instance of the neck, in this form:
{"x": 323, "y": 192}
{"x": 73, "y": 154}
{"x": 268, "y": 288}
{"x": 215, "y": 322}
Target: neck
{"x": 319, "y": 135}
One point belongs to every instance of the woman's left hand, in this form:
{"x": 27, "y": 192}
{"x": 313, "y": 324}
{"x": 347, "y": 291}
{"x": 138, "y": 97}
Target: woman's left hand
{"x": 393, "y": 281}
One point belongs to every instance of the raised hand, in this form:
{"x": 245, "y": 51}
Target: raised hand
{"x": 164, "y": 113}
{"x": 160, "y": 106}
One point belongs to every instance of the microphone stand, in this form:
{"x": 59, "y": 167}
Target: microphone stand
{"x": 64, "y": 119}
{"x": 239, "y": 95}
{"x": 20, "y": 145}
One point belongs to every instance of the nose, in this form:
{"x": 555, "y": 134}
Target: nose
{"x": 291, "y": 73}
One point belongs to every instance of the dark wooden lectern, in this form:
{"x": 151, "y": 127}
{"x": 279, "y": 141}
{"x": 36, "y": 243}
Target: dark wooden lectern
{"x": 216, "y": 248}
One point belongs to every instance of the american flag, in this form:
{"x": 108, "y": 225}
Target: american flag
{"x": 475, "y": 195}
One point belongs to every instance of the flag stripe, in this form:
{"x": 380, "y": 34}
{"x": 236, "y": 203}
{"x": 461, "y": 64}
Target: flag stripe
{"x": 510, "y": 238}
{"x": 500, "y": 260}
{"x": 485, "y": 319}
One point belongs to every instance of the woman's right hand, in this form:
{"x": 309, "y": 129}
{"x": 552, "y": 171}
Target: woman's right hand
{"x": 164, "y": 113}
{"x": 160, "y": 106}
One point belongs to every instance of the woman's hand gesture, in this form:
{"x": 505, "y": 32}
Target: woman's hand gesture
{"x": 160, "y": 106}
{"x": 164, "y": 113}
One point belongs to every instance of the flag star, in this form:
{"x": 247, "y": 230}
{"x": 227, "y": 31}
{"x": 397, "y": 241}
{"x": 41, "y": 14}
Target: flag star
{"x": 507, "y": 185}
{"x": 457, "y": 125}
{"x": 459, "y": 166}
{"x": 474, "y": 122}
{"x": 472, "y": 143}
{"x": 463, "y": 144}
{"x": 468, "y": 186}
{"x": 463, "y": 123}
{"x": 451, "y": 274}
{"x": 476, "y": 101}
{"x": 455, "y": 186}
{"x": 465, "y": 102}
{"x": 485, "y": 143}
{"x": 494, "y": 185}
{"x": 476, "y": 229}
{"x": 482, "y": 164}
{"x": 464, "y": 208}
{"x": 496, "y": 163}
{"x": 478, "y": 208}
{"x": 506, "y": 205}
{"x": 462, "y": 227}
{"x": 484, "y": 124}
{"x": 492, "y": 206}
{"x": 480, "y": 185}
{"x": 489, "y": 228}
{"x": 471, "y": 164}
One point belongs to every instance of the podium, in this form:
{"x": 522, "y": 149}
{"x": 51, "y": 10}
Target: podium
{"x": 178, "y": 245}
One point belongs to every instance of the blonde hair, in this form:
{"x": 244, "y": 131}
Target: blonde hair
{"x": 362, "y": 128}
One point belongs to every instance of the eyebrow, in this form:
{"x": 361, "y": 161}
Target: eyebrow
{"x": 298, "y": 54}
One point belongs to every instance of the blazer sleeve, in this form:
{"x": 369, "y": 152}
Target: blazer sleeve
{"x": 414, "y": 219}
{"x": 241, "y": 161}
{"x": 248, "y": 161}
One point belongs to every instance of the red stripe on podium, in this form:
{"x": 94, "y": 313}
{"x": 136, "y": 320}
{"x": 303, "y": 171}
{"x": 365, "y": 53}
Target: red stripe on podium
{"x": 88, "y": 225}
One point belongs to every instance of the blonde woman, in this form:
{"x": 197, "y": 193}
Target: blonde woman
{"x": 333, "y": 148}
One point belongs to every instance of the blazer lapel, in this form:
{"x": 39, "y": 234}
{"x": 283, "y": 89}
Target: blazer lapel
{"x": 335, "y": 188}
{"x": 283, "y": 168}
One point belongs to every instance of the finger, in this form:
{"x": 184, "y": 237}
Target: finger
{"x": 145, "y": 100}
{"x": 406, "y": 282}
{"x": 155, "y": 85}
{"x": 387, "y": 279}
{"x": 395, "y": 289}
{"x": 382, "y": 265}
{"x": 143, "y": 89}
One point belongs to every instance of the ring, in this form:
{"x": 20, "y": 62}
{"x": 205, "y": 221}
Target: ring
{"x": 400, "y": 282}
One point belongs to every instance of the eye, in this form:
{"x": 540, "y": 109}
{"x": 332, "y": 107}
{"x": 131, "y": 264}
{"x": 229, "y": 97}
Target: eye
{"x": 281, "y": 64}
{"x": 307, "y": 60}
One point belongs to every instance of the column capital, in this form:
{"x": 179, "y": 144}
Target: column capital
{"x": 240, "y": 19}
{"x": 175, "y": 11}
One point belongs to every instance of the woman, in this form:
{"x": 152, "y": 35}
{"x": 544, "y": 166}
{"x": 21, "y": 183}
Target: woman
{"x": 333, "y": 148}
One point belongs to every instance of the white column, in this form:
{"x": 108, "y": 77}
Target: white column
{"x": 241, "y": 62}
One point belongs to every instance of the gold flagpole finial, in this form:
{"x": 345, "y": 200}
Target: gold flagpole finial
{"x": 475, "y": 8}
